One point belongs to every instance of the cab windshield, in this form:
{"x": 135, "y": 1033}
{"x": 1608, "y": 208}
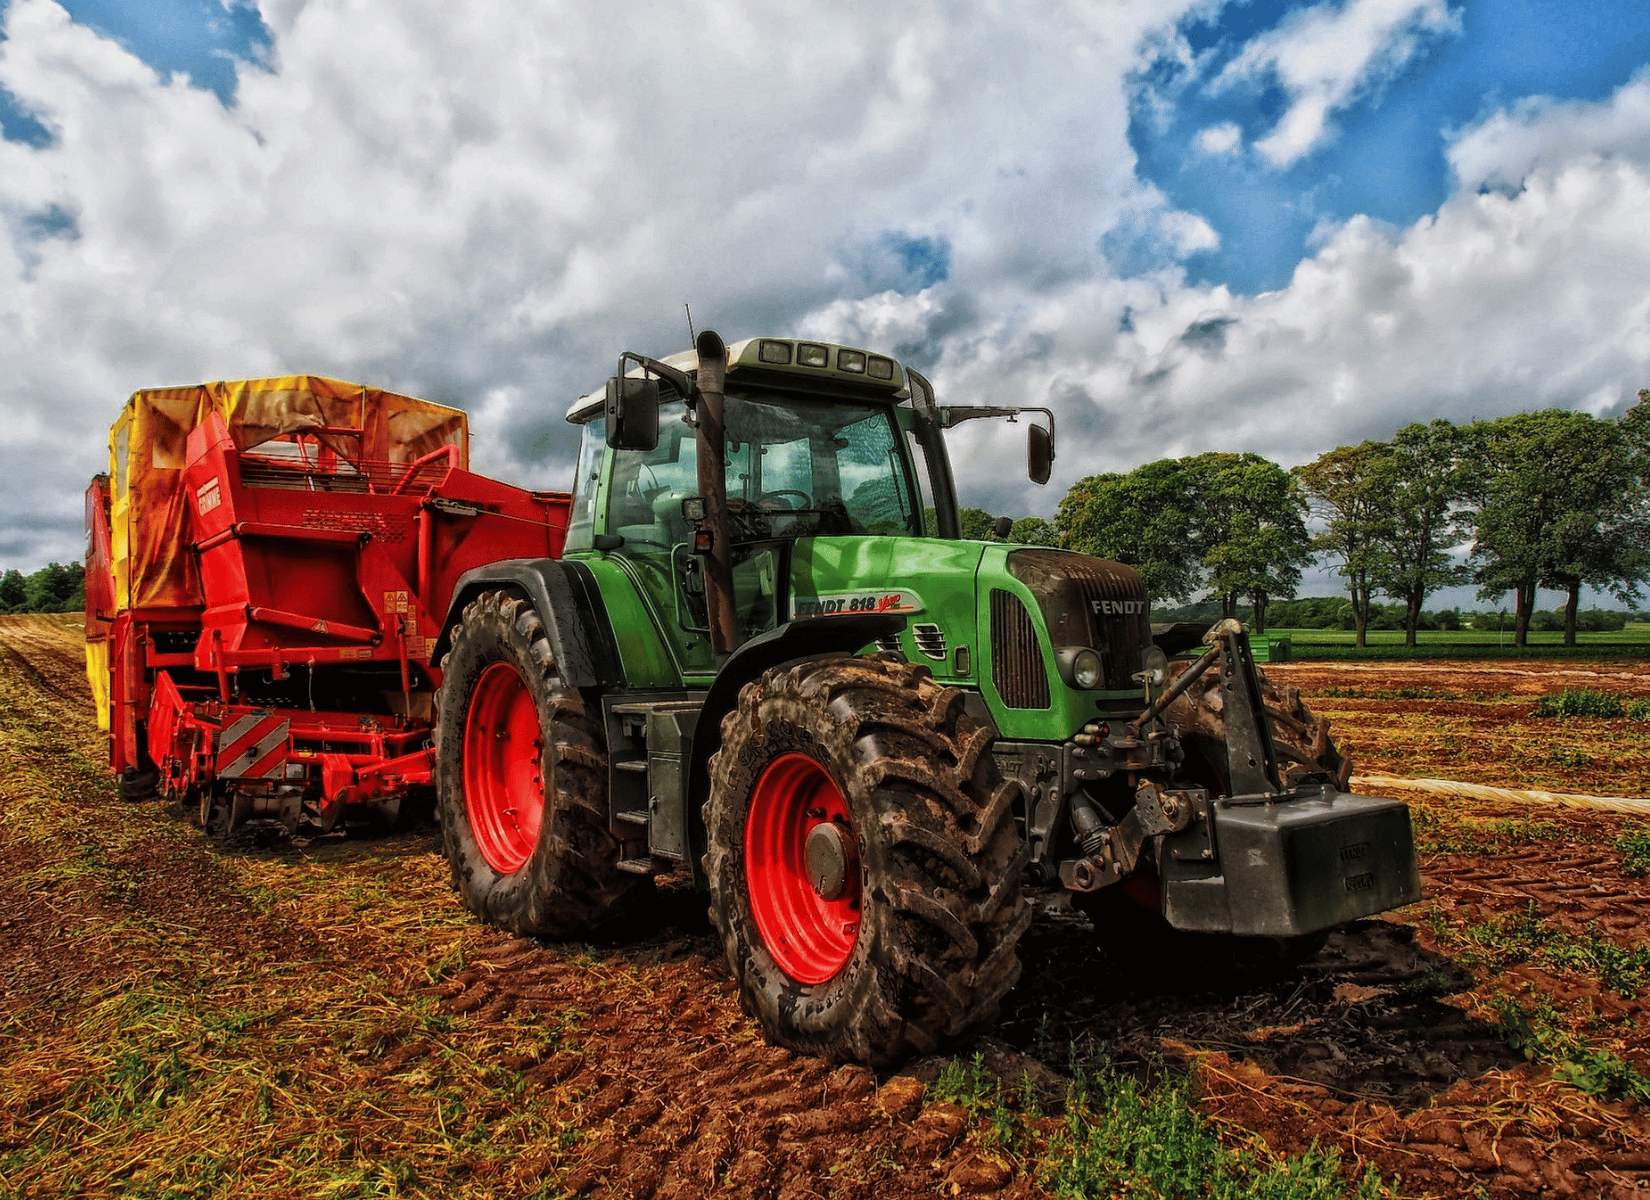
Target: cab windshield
{"x": 795, "y": 468}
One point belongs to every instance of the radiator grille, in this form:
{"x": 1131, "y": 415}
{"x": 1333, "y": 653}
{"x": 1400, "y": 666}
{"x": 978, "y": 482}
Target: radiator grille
{"x": 1016, "y": 658}
{"x": 1090, "y": 602}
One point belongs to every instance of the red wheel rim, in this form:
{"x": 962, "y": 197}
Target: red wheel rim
{"x": 503, "y": 787}
{"x": 808, "y": 934}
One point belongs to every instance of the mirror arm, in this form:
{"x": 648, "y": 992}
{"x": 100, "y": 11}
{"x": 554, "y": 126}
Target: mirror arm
{"x": 956, "y": 414}
{"x": 678, "y": 379}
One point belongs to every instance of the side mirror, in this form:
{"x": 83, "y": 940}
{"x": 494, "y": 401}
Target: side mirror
{"x": 632, "y": 413}
{"x": 1039, "y": 453}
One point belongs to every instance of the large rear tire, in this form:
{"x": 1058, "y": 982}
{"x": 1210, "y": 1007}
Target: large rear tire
{"x": 521, "y": 780}
{"x": 864, "y": 860}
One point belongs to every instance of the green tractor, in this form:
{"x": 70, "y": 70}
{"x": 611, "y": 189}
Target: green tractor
{"x": 768, "y": 663}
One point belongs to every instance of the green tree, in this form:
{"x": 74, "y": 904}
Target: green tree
{"x": 1560, "y": 502}
{"x": 1232, "y": 523}
{"x": 1034, "y": 531}
{"x": 975, "y": 524}
{"x": 1423, "y": 502}
{"x": 1635, "y": 424}
{"x": 54, "y": 588}
{"x": 1250, "y": 528}
{"x": 1144, "y": 519}
{"x": 13, "y": 591}
{"x": 1350, "y": 490}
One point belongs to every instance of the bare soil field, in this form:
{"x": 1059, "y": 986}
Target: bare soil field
{"x": 321, "y": 1018}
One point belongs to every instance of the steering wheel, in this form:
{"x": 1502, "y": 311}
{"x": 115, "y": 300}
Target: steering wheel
{"x": 769, "y": 500}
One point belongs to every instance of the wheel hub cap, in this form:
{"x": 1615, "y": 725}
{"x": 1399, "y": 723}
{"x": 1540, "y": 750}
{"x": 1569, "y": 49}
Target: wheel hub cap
{"x": 828, "y": 856}
{"x": 503, "y": 753}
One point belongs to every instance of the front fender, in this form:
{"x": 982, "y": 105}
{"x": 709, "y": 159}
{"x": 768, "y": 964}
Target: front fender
{"x": 798, "y": 639}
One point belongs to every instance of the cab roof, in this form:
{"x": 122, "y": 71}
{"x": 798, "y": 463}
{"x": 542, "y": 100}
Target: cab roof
{"x": 781, "y": 360}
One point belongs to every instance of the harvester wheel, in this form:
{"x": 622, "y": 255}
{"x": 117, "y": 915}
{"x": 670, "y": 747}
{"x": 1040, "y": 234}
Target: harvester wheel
{"x": 864, "y": 860}
{"x": 521, "y": 780}
{"x": 138, "y": 783}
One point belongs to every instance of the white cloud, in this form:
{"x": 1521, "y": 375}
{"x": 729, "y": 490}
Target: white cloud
{"x": 1219, "y": 139}
{"x": 479, "y": 204}
{"x": 1499, "y": 302}
{"x": 1328, "y": 56}
{"x": 484, "y": 200}
{"x": 1501, "y": 151}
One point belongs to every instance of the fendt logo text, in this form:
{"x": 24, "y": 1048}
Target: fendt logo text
{"x": 856, "y": 602}
{"x": 1118, "y": 608}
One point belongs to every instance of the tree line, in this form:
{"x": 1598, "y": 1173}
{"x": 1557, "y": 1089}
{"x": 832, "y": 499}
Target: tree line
{"x": 55, "y": 587}
{"x": 1549, "y": 499}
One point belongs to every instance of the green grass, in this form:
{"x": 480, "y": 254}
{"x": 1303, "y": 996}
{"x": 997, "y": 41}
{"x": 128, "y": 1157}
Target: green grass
{"x": 1634, "y": 847}
{"x": 1387, "y": 644}
{"x": 1439, "y": 831}
{"x": 1543, "y": 1035}
{"x": 1402, "y": 693}
{"x": 1124, "y": 1137}
{"x": 1528, "y": 937}
{"x": 1588, "y": 702}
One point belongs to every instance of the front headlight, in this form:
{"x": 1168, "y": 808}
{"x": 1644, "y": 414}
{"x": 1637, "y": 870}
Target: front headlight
{"x": 1154, "y": 665}
{"x": 1080, "y": 666}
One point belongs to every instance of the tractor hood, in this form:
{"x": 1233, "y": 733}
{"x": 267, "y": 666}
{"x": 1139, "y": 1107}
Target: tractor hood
{"x": 1089, "y": 602}
{"x": 930, "y": 581}
{"x": 997, "y": 618}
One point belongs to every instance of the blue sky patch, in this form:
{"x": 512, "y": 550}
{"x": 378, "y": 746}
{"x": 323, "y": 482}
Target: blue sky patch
{"x": 1386, "y": 156}
{"x": 900, "y": 262}
{"x": 18, "y": 125}
{"x": 201, "y": 38}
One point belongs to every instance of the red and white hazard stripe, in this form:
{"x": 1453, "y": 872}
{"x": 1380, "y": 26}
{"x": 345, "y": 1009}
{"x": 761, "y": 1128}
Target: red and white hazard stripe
{"x": 254, "y": 747}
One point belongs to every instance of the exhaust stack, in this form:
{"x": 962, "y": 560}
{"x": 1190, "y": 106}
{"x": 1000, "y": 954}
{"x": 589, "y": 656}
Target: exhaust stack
{"x": 713, "y": 488}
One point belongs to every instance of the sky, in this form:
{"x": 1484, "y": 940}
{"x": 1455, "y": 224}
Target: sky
{"x": 1183, "y": 225}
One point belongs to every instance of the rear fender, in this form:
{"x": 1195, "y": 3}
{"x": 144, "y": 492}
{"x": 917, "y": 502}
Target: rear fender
{"x": 545, "y": 583}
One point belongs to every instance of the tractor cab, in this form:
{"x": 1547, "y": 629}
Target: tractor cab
{"x": 819, "y": 441}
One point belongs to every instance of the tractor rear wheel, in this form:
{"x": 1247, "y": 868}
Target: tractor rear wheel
{"x": 864, "y": 860}
{"x": 521, "y": 780}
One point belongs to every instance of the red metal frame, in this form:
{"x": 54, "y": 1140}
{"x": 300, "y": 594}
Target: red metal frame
{"x": 311, "y": 561}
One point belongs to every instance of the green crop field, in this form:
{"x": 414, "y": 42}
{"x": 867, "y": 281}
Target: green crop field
{"x": 1463, "y": 643}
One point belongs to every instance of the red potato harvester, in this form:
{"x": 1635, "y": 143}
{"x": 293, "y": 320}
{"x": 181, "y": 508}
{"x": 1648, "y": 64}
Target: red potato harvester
{"x": 268, "y": 564}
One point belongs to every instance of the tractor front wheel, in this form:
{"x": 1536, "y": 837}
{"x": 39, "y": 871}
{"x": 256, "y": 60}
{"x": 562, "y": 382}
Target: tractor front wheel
{"x": 521, "y": 780}
{"x": 864, "y": 860}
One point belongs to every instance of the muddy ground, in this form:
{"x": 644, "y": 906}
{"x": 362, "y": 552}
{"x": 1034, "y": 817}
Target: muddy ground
{"x": 178, "y": 1018}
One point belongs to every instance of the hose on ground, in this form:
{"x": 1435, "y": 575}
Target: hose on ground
{"x": 1480, "y": 791}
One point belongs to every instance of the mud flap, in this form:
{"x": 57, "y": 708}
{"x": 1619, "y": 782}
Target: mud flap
{"x": 1281, "y": 869}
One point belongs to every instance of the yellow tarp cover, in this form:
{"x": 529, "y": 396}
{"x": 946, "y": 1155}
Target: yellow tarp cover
{"x": 97, "y": 674}
{"x": 152, "y": 563}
